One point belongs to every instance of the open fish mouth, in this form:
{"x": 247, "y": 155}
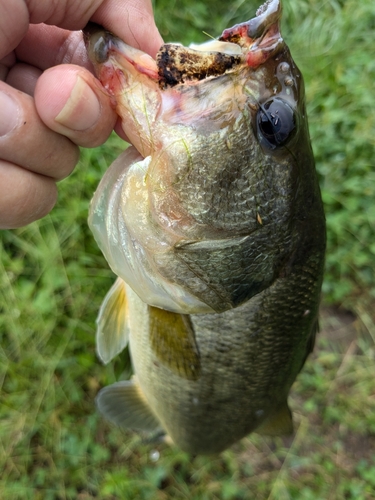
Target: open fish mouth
{"x": 251, "y": 42}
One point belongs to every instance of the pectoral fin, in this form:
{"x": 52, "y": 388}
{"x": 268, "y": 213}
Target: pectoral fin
{"x": 124, "y": 404}
{"x": 173, "y": 341}
{"x": 112, "y": 327}
{"x": 280, "y": 423}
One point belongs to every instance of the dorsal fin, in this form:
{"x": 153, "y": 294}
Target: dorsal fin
{"x": 124, "y": 404}
{"x": 112, "y": 331}
{"x": 172, "y": 339}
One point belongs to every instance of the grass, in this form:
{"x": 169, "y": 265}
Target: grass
{"x": 53, "y": 445}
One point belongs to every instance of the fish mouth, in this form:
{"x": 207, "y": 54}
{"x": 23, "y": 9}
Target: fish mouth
{"x": 250, "y": 43}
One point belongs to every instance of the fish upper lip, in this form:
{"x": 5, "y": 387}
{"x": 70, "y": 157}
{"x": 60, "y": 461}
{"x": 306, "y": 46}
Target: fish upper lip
{"x": 261, "y": 34}
{"x": 266, "y": 16}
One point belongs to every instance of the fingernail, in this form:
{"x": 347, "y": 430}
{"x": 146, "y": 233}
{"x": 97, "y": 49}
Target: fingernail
{"x": 9, "y": 114}
{"x": 82, "y": 109}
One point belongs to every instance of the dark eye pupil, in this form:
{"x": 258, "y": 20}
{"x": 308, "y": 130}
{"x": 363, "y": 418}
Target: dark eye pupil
{"x": 276, "y": 122}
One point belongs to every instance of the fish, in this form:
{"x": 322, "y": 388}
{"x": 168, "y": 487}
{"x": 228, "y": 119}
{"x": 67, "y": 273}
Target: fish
{"x": 213, "y": 223}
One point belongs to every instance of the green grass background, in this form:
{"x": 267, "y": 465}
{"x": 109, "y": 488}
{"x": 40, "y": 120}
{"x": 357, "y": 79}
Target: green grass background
{"x": 53, "y": 444}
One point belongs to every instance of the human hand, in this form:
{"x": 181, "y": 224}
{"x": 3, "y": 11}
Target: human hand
{"x": 50, "y": 102}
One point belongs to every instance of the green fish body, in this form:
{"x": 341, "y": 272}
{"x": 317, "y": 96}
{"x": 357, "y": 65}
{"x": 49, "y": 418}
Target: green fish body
{"x": 214, "y": 224}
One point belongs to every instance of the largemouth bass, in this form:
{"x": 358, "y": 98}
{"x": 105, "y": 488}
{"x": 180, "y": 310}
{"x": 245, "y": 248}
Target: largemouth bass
{"x": 213, "y": 223}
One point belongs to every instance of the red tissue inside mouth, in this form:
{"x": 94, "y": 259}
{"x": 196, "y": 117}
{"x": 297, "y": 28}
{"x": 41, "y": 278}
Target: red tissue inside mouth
{"x": 112, "y": 79}
{"x": 259, "y": 49}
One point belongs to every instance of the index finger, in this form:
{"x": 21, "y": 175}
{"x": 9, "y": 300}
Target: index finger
{"x": 14, "y": 21}
{"x": 45, "y": 46}
{"x": 132, "y": 21}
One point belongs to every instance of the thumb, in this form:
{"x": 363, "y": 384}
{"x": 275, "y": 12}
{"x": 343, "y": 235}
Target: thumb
{"x": 73, "y": 103}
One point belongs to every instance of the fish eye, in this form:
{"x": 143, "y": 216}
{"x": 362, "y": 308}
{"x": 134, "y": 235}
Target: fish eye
{"x": 276, "y": 122}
